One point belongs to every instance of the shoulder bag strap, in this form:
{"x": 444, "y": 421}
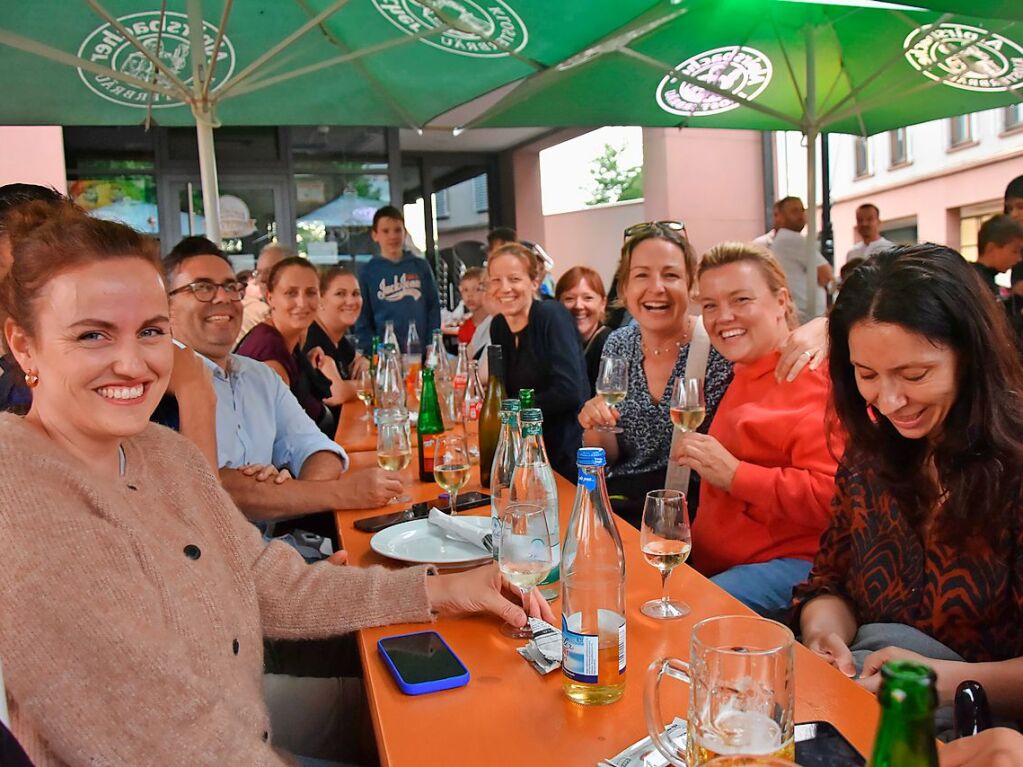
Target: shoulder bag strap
{"x": 677, "y": 477}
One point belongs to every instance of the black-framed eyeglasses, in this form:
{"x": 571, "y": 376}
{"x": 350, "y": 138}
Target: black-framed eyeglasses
{"x": 206, "y": 291}
{"x": 646, "y": 226}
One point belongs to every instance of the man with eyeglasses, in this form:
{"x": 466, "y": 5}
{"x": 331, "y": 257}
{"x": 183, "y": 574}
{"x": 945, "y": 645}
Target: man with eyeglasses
{"x": 260, "y": 424}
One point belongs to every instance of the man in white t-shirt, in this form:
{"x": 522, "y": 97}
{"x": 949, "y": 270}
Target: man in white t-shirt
{"x": 790, "y": 248}
{"x": 868, "y": 227}
{"x": 768, "y": 237}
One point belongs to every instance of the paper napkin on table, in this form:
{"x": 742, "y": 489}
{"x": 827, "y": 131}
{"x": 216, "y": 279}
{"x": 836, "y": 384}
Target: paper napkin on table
{"x": 642, "y": 753}
{"x": 462, "y": 529}
{"x": 543, "y": 651}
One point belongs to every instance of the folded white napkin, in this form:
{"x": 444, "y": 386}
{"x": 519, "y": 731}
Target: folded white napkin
{"x": 462, "y": 530}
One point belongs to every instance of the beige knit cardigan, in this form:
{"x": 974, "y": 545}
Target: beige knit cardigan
{"x": 132, "y": 613}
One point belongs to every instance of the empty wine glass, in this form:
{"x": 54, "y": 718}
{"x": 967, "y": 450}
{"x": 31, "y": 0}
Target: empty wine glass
{"x": 451, "y": 465}
{"x": 688, "y": 406}
{"x": 394, "y": 447}
{"x": 613, "y": 384}
{"x": 525, "y": 556}
{"x": 665, "y": 541}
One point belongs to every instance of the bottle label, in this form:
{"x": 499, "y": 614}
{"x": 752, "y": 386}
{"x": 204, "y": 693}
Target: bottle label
{"x": 532, "y": 429}
{"x": 621, "y": 648}
{"x": 555, "y": 574}
{"x": 472, "y": 410}
{"x": 587, "y": 481}
{"x": 579, "y": 654}
{"x": 429, "y": 445}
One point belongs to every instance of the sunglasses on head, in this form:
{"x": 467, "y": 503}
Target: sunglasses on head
{"x": 647, "y": 226}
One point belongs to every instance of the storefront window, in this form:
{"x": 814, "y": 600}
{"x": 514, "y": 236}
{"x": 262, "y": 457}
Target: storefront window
{"x": 128, "y": 199}
{"x": 334, "y": 213}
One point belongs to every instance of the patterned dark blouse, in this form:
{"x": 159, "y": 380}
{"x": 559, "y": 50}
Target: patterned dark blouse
{"x": 645, "y": 440}
{"x": 969, "y": 596}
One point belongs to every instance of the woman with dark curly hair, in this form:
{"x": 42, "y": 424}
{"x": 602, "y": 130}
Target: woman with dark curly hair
{"x": 924, "y": 556}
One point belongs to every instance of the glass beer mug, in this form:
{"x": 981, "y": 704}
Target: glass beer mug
{"x": 741, "y": 692}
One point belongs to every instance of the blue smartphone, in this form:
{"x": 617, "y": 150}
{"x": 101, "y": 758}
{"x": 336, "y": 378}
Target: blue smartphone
{"x": 422, "y": 662}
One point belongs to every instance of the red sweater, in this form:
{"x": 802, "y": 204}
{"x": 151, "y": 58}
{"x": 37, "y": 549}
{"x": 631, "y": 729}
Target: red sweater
{"x": 780, "y": 501}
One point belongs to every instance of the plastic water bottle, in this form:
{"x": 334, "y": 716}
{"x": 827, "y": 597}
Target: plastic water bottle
{"x": 503, "y": 470}
{"x": 533, "y": 482}
{"x": 593, "y": 591}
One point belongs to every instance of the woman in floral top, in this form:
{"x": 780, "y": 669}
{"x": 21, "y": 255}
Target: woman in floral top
{"x": 925, "y": 551}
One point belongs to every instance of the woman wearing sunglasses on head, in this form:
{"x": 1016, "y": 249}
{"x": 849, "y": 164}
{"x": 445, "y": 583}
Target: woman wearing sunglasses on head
{"x": 655, "y": 276}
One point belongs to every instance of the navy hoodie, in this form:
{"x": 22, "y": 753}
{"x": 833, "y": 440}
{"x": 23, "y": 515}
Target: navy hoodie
{"x": 403, "y": 292}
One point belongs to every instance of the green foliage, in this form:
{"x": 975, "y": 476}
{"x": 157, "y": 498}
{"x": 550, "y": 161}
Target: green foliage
{"x": 611, "y": 182}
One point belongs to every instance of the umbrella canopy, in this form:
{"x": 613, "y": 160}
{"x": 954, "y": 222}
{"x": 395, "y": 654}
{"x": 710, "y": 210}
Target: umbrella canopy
{"x": 776, "y": 65}
{"x": 142, "y": 216}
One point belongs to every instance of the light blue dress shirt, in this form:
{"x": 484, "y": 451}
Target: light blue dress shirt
{"x": 260, "y": 421}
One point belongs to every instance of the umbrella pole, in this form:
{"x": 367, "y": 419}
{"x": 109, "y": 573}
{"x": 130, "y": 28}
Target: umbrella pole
{"x": 811, "y": 130}
{"x": 208, "y": 174}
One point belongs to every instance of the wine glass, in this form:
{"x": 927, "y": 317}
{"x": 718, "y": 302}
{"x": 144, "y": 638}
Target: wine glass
{"x": 688, "y": 406}
{"x": 364, "y": 391}
{"x": 394, "y": 448}
{"x": 525, "y": 556}
{"x": 665, "y": 541}
{"x": 613, "y": 384}
{"x": 451, "y": 465}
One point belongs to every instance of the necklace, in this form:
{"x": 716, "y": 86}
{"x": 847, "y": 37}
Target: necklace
{"x": 674, "y": 346}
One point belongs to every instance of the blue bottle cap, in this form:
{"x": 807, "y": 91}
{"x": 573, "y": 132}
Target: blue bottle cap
{"x": 591, "y": 456}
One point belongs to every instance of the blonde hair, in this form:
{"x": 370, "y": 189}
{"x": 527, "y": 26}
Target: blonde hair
{"x": 525, "y": 256}
{"x": 736, "y": 252}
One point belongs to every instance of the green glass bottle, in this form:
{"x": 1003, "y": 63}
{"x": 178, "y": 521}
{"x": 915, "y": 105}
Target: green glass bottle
{"x": 908, "y": 697}
{"x": 526, "y": 397}
{"x": 430, "y": 424}
{"x": 490, "y": 416}
{"x": 374, "y": 363}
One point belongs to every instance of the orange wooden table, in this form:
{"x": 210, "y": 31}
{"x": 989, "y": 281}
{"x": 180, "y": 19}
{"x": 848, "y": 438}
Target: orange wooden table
{"x": 354, "y": 434}
{"x": 510, "y": 715}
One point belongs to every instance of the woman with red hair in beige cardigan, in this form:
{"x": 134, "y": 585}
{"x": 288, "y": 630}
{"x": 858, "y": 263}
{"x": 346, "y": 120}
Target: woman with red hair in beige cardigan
{"x": 134, "y": 595}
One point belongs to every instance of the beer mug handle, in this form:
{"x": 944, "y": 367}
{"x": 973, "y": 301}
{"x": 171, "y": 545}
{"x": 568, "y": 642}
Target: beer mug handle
{"x": 676, "y": 669}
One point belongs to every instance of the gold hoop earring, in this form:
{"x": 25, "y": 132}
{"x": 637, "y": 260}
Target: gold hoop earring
{"x": 31, "y": 380}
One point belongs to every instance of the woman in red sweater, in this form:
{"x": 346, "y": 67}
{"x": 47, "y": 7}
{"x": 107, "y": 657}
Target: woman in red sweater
{"x": 768, "y": 473}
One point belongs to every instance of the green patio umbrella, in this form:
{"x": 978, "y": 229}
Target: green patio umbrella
{"x": 274, "y": 62}
{"x": 850, "y": 67}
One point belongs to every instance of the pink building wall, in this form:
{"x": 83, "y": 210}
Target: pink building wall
{"x": 935, "y": 201}
{"x": 32, "y": 155}
{"x": 592, "y": 237}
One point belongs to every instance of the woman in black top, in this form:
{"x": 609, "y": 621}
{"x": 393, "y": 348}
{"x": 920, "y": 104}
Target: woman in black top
{"x": 581, "y": 291}
{"x": 340, "y": 305}
{"x": 542, "y": 351}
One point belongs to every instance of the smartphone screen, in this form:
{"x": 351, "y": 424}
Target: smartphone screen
{"x": 422, "y": 657}
{"x": 819, "y": 744}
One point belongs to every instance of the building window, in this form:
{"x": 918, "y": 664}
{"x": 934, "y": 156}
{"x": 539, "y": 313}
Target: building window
{"x": 898, "y": 141}
{"x": 960, "y": 131}
{"x": 441, "y": 206}
{"x": 479, "y": 193}
{"x": 1014, "y": 117}
{"x": 862, "y": 157}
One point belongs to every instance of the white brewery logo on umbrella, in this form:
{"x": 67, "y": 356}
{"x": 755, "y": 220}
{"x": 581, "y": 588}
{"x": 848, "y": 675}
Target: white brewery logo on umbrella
{"x": 488, "y": 30}
{"x": 738, "y": 70}
{"x": 108, "y": 47}
{"x": 966, "y": 57}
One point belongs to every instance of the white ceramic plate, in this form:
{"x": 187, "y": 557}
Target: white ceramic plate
{"x": 421, "y": 543}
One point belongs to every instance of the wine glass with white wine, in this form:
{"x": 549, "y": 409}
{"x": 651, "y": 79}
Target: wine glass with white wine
{"x": 394, "y": 447}
{"x": 613, "y": 384}
{"x": 525, "y": 556}
{"x": 451, "y": 465}
{"x": 364, "y": 391}
{"x": 665, "y": 541}
{"x": 688, "y": 406}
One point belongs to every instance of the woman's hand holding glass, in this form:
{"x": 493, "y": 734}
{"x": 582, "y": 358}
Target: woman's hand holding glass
{"x": 483, "y": 590}
{"x": 525, "y": 556}
{"x": 708, "y": 458}
{"x": 597, "y": 414}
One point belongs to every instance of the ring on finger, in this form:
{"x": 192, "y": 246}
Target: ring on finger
{"x": 806, "y": 353}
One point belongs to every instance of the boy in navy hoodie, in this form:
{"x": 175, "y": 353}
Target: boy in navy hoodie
{"x": 396, "y": 286}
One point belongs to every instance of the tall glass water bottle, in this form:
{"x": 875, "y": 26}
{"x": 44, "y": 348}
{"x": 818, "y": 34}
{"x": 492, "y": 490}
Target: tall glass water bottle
{"x": 460, "y": 380}
{"x": 533, "y": 482}
{"x": 908, "y": 698}
{"x": 472, "y": 407}
{"x": 502, "y": 470}
{"x": 592, "y": 591}
{"x": 490, "y": 422}
{"x": 413, "y": 362}
{"x": 390, "y": 337}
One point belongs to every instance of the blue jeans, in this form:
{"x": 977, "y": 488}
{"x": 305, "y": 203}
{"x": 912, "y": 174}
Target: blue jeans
{"x": 765, "y": 587}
